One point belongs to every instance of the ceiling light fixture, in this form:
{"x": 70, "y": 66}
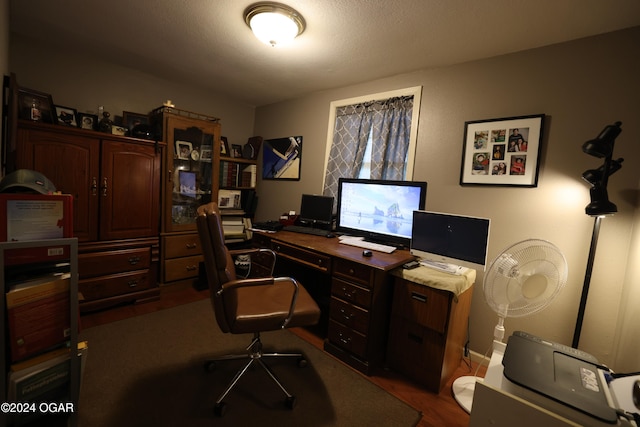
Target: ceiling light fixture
{"x": 274, "y": 23}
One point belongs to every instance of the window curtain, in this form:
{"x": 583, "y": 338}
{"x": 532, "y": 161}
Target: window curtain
{"x": 389, "y": 124}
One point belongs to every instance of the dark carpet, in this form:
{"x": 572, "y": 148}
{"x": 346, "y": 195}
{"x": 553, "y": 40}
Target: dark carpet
{"x": 148, "y": 371}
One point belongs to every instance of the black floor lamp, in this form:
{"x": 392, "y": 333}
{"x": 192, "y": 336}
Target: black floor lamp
{"x": 600, "y": 206}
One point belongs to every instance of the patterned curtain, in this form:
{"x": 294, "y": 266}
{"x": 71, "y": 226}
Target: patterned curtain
{"x": 388, "y": 122}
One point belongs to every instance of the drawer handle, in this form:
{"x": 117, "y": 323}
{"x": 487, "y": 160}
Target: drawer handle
{"x": 345, "y": 315}
{"x": 191, "y": 245}
{"x": 344, "y": 340}
{"x": 192, "y": 267}
{"x": 352, "y": 271}
{"x": 418, "y": 297}
{"x": 132, "y": 283}
{"x": 347, "y": 293}
{"x": 134, "y": 260}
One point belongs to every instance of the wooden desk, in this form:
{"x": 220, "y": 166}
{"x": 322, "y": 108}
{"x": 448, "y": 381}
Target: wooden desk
{"x": 354, "y": 292}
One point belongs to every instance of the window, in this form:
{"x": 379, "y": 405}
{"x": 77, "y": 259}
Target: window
{"x": 372, "y": 137}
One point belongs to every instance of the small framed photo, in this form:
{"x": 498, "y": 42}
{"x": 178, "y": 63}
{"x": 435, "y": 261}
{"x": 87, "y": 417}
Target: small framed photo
{"x": 224, "y": 146}
{"x": 87, "y": 121}
{"x": 236, "y": 150}
{"x": 36, "y": 106}
{"x": 66, "y": 116}
{"x": 205, "y": 153}
{"x": 502, "y": 151}
{"x": 183, "y": 150}
{"x": 130, "y": 120}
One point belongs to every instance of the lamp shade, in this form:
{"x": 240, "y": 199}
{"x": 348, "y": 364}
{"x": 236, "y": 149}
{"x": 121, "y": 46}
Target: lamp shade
{"x": 600, "y": 204}
{"x": 602, "y": 145}
{"x": 274, "y": 23}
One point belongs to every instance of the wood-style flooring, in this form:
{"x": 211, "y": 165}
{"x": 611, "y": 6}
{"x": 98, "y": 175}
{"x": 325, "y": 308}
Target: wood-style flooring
{"x": 438, "y": 409}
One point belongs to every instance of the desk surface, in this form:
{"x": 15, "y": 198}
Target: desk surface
{"x": 332, "y": 247}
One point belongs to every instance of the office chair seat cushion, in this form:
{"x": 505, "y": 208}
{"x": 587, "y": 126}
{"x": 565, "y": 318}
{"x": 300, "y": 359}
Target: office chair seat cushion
{"x": 265, "y": 308}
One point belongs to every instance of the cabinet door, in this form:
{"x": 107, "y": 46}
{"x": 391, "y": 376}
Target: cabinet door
{"x": 71, "y": 162}
{"x": 129, "y": 190}
{"x": 192, "y": 163}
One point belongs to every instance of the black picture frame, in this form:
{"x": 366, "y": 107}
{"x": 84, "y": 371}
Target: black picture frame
{"x": 36, "y": 106}
{"x": 66, "y": 116}
{"x": 130, "y": 120}
{"x": 282, "y": 158}
{"x": 87, "y": 121}
{"x": 503, "y": 152}
{"x": 236, "y": 151}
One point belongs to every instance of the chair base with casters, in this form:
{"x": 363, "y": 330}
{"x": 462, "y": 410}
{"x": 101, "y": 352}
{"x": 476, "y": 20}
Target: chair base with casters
{"x": 250, "y": 305}
{"x": 253, "y": 355}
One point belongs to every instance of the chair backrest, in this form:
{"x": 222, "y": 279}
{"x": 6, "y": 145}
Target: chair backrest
{"x": 219, "y": 265}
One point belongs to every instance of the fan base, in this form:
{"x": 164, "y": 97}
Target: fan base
{"x": 463, "y": 389}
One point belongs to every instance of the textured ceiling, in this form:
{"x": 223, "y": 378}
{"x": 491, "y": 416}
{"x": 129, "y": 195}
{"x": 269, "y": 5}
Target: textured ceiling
{"x": 346, "y": 41}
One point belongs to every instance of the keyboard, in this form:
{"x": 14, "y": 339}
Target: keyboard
{"x": 360, "y": 243}
{"x": 444, "y": 267}
{"x": 305, "y": 230}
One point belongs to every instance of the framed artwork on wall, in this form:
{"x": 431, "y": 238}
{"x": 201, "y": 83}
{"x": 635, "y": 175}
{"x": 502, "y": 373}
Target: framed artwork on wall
{"x": 281, "y": 158}
{"x": 502, "y": 151}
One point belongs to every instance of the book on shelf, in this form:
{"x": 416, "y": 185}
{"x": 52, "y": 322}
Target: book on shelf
{"x": 44, "y": 378}
{"x": 248, "y": 177}
{"x": 38, "y": 315}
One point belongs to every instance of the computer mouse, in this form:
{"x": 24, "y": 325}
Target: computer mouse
{"x": 367, "y": 252}
{"x": 636, "y": 394}
{"x": 331, "y": 235}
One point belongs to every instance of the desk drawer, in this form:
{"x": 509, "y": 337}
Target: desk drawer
{"x": 353, "y": 271}
{"x": 181, "y": 245}
{"x": 349, "y": 315}
{"x": 101, "y": 263}
{"x": 421, "y": 305}
{"x": 347, "y": 338}
{"x": 312, "y": 259}
{"x": 182, "y": 268}
{"x": 351, "y": 293}
{"x": 115, "y": 284}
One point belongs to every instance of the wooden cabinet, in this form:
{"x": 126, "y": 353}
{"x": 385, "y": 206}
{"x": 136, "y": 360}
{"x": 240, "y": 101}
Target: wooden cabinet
{"x": 190, "y": 178}
{"x": 428, "y": 332}
{"x": 115, "y": 184}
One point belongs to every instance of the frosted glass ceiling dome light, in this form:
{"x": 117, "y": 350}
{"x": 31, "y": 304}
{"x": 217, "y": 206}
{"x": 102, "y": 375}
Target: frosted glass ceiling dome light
{"x": 274, "y": 23}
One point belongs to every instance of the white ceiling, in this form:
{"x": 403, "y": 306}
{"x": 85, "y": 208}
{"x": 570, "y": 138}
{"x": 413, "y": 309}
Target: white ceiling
{"x": 346, "y": 41}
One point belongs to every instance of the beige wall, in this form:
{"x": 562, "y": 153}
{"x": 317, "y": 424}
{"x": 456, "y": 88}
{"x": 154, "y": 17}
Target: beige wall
{"x": 85, "y": 82}
{"x": 581, "y": 86}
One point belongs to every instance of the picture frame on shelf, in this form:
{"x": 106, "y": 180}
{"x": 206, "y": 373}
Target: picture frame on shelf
{"x": 503, "y": 152}
{"x": 87, "y": 121}
{"x": 130, "y": 120}
{"x": 206, "y": 154}
{"x": 66, "y": 116}
{"x": 224, "y": 146}
{"x": 36, "y": 106}
{"x": 236, "y": 151}
{"x": 282, "y": 158}
{"x": 183, "y": 150}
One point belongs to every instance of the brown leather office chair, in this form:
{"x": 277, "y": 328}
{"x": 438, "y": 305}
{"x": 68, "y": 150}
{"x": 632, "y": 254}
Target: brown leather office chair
{"x": 250, "y": 305}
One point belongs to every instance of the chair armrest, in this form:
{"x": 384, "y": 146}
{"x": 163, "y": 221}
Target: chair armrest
{"x": 267, "y": 281}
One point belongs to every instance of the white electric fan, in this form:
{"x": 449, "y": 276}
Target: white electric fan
{"x": 522, "y": 280}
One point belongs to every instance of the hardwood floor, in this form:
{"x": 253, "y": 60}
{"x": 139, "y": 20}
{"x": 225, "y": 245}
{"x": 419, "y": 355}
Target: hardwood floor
{"x": 438, "y": 409}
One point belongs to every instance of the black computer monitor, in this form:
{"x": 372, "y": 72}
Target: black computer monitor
{"x": 316, "y": 211}
{"x": 379, "y": 210}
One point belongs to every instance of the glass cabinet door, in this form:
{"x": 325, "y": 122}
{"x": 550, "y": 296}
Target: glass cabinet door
{"x": 195, "y": 148}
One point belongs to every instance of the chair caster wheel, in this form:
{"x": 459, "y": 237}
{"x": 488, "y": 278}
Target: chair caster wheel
{"x": 220, "y": 409}
{"x": 290, "y": 402}
{"x": 302, "y": 362}
{"x": 210, "y": 366}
